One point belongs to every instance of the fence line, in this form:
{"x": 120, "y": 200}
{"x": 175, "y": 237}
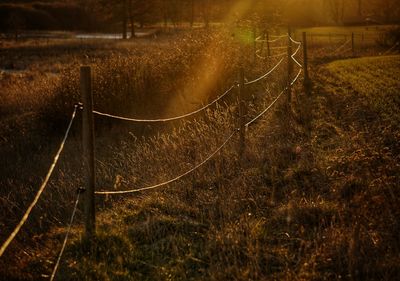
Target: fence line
{"x": 294, "y": 41}
{"x": 297, "y": 77}
{"x": 165, "y": 119}
{"x": 266, "y": 74}
{"x": 174, "y": 179}
{"x": 299, "y": 64}
{"x": 278, "y": 48}
{"x": 42, "y": 187}
{"x": 258, "y": 39}
{"x": 203, "y": 162}
{"x": 188, "y": 114}
{"x": 259, "y": 56}
{"x": 297, "y": 50}
{"x": 273, "y": 102}
{"x": 224, "y": 143}
{"x": 391, "y": 48}
{"x": 71, "y": 221}
{"x": 278, "y": 36}
{"x": 294, "y": 54}
{"x": 340, "y": 47}
{"x": 269, "y": 57}
{"x": 265, "y": 110}
{"x": 207, "y": 158}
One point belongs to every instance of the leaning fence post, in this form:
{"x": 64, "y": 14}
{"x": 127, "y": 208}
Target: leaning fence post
{"x": 289, "y": 66}
{"x": 305, "y": 59}
{"x": 88, "y": 149}
{"x": 242, "y": 129}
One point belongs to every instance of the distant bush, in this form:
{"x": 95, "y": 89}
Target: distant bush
{"x": 44, "y": 16}
{"x": 68, "y": 16}
{"x": 390, "y": 38}
{"x": 23, "y": 17}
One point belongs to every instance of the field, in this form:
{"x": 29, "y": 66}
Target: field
{"x": 305, "y": 202}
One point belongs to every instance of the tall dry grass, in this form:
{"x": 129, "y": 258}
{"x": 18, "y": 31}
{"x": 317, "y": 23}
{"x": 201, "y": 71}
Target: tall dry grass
{"x": 139, "y": 81}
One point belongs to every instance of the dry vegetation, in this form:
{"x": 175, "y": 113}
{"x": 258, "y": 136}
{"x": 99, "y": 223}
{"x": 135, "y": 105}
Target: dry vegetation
{"x": 306, "y": 203}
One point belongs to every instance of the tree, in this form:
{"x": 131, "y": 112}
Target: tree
{"x": 206, "y": 12}
{"x": 360, "y": 2}
{"x": 137, "y": 11}
{"x": 389, "y": 9}
{"x": 335, "y": 9}
{"x": 15, "y": 23}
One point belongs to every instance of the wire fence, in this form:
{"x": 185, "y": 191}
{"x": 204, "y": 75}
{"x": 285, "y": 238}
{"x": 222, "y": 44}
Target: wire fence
{"x": 347, "y": 45}
{"x": 351, "y": 44}
{"x": 174, "y": 179}
{"x": 265, "y": 75}
{"x": 290, "y": 56}
{"x": 41, "y": 188}
{"x": 71, "y": 221}
{"x": 170, "y": 118}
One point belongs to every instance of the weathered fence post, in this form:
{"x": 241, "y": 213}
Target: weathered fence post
{"x": 268, "y": 47}
{"x": 352, "y": 43}
{"x": 242, "y": 112}
{"x": 289, "y": 66}
{"x": 305, "y": 59}
{"x": 254, "y": 44}
{"x": 88, "y": 149}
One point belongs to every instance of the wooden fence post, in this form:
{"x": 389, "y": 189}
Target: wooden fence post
{"x": 268, "y": 47}
{"x": 289, "y": 66}
{"x": 305, "y": 59}
{"x": 88, "y": 149}
{"x": 242, "y": 112}
{"x": 254, "y": 44}
{"x": 352, "y": 43}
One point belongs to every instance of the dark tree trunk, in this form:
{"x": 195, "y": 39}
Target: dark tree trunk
{"x": 131, "y": 19}
{"x": 124, "y": 20}
{"x": 191, "y": 13}
{"x": 206, "y": 13}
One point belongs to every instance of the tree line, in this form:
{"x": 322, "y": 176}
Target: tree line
{"x": 130, "y": 13}
{"x": 126, "y": 15}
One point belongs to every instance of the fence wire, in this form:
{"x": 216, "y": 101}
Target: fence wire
{"x": 207, "y": 158}
{"x": 161, "y": 120}
{"x": 391, "y": 48}
{"x": 299, "y": 64}
{"x": 297, "y": 77}
{"x": 278, "y": 48}
{"x": 171, "y": 180}
{"x": 259, "y": 38}
{"x": 266, "y": 74}
{"x": 269, "y": 57}
{"x": 273, "y": 102}
{"x": 297, "y": 50}
{"x": 265, "y": 110}
{"x": 71, "y": 221}
{"x": 293, "y": 56}
{"x": 278, "y": 36}
{"x": 294, "y": 41}
{"x": 338, "y": 49}
{"x": 42, "y": 187}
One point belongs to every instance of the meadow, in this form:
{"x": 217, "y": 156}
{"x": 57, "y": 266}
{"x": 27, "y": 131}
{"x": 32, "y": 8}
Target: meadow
{"x": 303, "y": 204}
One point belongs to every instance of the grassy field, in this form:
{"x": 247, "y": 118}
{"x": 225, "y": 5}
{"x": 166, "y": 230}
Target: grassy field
{"x": 144, "y": 78}
{"x": 308, "y": 206}
{"x": 305, "y": 204}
